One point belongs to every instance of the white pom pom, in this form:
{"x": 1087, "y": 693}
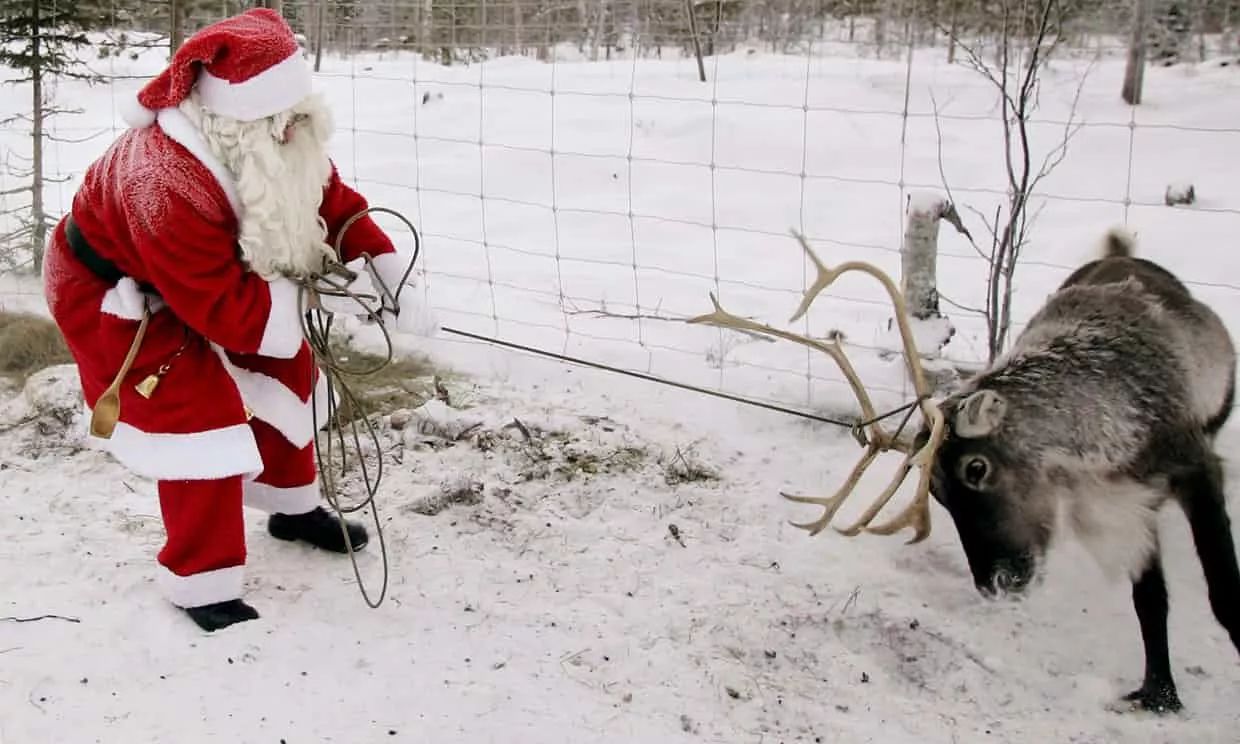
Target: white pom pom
{"x": 135, "y": 114}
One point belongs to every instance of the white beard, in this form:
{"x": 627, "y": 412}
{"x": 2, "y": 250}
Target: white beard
{"x": 279, "y": 184}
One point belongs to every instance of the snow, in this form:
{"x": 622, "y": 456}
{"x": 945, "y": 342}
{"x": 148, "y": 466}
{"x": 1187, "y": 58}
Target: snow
{"x": 925, "y": 202}
{"x": 538, "y": 592}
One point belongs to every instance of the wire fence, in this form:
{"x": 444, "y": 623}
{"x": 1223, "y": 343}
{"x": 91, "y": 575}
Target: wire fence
{"x": 579, "y": 187}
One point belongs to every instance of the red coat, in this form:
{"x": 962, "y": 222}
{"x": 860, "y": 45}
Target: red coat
{"x": 162, "y": 207}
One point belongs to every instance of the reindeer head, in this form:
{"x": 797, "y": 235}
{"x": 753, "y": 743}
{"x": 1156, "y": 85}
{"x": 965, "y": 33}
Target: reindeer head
{"x": 959, "y": 454}
{"x": 993, "y": 495}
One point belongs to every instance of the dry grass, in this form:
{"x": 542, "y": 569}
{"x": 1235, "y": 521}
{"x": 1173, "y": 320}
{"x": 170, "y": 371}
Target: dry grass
{"x": 405, "y": 382}
{"x": 29, "y": 343}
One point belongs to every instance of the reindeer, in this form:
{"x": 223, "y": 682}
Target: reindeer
{"x": 1105, "y": 408}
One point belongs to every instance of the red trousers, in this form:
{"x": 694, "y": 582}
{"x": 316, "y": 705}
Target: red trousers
{"x": 204, "y": 551}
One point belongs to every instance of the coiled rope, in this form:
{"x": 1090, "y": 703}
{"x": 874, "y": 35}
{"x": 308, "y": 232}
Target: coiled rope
{"x": 332, "y": 451}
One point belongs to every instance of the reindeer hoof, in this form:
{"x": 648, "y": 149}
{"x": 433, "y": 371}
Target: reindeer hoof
{"x": 1159, "y": 699}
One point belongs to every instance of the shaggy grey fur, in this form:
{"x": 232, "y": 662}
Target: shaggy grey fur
{"x": 1104, "y": 409}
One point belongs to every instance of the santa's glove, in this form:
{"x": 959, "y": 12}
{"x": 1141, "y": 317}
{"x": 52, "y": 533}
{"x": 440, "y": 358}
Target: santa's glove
{"x": 415, "y": 316}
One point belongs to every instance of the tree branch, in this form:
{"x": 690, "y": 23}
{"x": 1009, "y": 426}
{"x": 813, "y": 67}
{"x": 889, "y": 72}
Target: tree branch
{"x": 600, "y": 313}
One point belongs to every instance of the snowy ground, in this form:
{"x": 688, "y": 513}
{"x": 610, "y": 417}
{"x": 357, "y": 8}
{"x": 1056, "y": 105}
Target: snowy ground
{"x": 556, "y": 604}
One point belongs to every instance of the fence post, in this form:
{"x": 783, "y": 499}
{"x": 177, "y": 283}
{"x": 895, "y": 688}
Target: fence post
{"x": 919, "y": 254}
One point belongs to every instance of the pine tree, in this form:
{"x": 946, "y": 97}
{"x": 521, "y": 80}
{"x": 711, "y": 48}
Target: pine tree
{"x": 42, "y": 41}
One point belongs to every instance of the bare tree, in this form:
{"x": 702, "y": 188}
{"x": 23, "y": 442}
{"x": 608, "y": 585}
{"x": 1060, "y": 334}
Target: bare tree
{"x": 41, "y": 44}
{"x": 1016, "y": 78}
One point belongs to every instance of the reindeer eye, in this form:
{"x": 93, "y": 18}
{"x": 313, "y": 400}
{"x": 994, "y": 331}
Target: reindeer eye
{"x": 975, "y": 470}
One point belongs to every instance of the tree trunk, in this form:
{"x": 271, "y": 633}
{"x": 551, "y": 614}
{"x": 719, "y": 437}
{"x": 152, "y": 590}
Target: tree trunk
{"x": 426, "y": 28}
{"x": 320, "y": 15}
{"x": 953, "y": 31}
{"x": 38, "y": 229}
{"x": 518, "y": 21}
{"x": 697, "y": 44}
{"x": 880, "y": 32}
{"x": 919, "y": 254}
{"x": 1199, "y": 25}
{"x": 1134, "y": 74}
{"x": 176, "y": 21}
{"x": 600, "y": 28}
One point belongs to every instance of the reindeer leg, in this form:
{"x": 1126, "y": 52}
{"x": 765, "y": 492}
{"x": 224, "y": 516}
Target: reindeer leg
{"x": 1203, "y": 500}
{"x": 1149, "y": 597}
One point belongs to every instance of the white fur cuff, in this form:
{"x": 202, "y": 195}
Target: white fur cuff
{"x": 416, "y": 317}
{"x": 390, "y": 268}
{"x": 203, "y": 588}
{"x": 276, "y": 500}
{"x": 282, "y": 336}
{"x": 126, "y": 300}
{"x": 216, "y": 453}
{"x": 415, "y": 314}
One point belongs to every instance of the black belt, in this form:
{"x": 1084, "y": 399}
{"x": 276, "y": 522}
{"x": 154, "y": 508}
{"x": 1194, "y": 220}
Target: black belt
{"x": 99, "y": 266}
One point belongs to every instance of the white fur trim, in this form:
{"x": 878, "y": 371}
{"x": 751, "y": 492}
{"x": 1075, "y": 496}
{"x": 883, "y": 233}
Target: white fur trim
{"x": 217, "y": 453}
{"x": 204, "y": 588}
{"x": 282, "y": 336}
{"x": 134, "y": 114}
{"x": 125, "y": 300}
{"x": 276, "y": 500}
{"x": 279, "y": 406}
{"x": 272, "y": 91}
{"x": 389, "y": 268}
{"x": 177, "y": 125}
{"x": 415, "y": 316}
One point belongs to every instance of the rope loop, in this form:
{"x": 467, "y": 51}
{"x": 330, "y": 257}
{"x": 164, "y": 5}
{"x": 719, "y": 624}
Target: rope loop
{"x": 335, "y": 459}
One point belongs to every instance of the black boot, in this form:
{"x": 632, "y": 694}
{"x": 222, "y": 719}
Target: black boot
{"x": 320, "y": 528}
{"x": 221, "y": 614}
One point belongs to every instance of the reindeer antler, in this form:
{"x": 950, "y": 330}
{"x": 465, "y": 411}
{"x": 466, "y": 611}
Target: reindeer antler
{"x": 917, "y": 514}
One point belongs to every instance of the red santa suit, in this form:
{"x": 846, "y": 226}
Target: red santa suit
{"x": 230, "y": 421}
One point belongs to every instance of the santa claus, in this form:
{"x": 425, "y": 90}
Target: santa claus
{"x": 186, "y": 237}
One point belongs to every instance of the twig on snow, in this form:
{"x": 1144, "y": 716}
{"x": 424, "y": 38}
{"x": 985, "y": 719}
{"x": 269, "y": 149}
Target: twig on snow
{"x": 38, "y": 618}
{"x": 525, "y": 432}
{"x": 964, "y": 651}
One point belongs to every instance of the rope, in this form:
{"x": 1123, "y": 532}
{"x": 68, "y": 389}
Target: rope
{"x": 685, "y": 386}
{"x": 858, "y": 429}
{"x": 316, "y": 327}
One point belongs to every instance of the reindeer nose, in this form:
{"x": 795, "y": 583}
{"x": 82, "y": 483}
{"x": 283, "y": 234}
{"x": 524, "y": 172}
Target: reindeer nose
{"x": 1004, "y": 580}
{"x": 1007, "y": 580}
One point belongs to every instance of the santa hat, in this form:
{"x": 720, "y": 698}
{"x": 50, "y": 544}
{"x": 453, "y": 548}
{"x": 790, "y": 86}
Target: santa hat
{"x": 249, "y": 66}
